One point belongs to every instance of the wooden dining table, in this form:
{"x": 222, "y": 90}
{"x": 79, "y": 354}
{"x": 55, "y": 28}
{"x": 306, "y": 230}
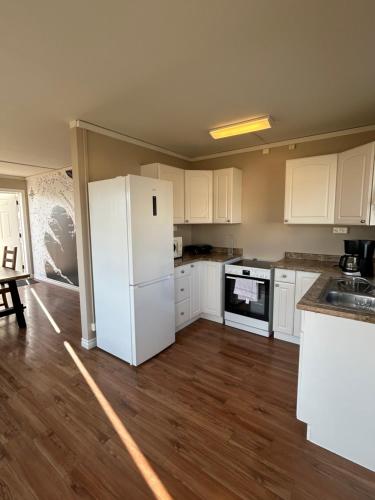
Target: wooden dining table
{"x": 9, "y": 278}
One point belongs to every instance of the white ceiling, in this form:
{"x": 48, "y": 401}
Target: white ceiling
{"x": 165, "y": 71}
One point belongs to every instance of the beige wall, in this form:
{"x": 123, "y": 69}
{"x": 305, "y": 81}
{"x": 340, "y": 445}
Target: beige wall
{"x": 97, "y": 157}
{"x": 263, "y": 233}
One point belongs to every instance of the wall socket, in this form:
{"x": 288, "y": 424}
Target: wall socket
{"x": 340, "y": 230}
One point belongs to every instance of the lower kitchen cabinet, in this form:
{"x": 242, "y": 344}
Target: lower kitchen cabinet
{"x": 289, "y": 288}
{"x": 199, "y": 292}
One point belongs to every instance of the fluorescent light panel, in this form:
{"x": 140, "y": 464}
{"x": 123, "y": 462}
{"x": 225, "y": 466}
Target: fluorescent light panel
{"x": 254, "y": 125}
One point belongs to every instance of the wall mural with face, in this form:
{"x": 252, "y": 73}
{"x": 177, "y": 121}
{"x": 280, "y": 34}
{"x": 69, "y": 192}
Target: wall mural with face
{"x": 53, "y": 234}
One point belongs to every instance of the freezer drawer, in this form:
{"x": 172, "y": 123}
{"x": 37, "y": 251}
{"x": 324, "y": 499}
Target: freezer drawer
{"x": 153, "y": 318}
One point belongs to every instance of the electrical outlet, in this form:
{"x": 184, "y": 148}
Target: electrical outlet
{"x": 340, "y": 230}
{"x": 93, "y": 327}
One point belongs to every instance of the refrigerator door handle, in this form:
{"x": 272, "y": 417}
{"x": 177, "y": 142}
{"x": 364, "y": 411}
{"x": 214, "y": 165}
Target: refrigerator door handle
{"x": 149, "y": 283}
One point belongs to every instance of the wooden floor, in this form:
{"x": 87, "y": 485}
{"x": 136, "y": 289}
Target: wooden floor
{"x": 214, "y": 414}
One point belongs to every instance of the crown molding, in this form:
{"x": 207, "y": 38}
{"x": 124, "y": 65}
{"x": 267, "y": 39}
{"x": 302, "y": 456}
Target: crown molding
{"x": 298, "y": 140}
{"x": 125, "y": 138}
{"x": 310, "y": 138}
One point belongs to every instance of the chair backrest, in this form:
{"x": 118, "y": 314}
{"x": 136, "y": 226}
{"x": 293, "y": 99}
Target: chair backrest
{"x": 10, "y": 258}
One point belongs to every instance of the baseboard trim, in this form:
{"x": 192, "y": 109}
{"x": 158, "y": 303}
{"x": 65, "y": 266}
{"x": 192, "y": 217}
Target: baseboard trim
{"x": 57, "y": 283}
{"x": 286, "y": 338}
{"x": 212, "y": 317}
{"x": 88, "y": 343}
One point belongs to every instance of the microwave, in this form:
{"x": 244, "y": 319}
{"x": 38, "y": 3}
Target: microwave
{"x": 177, "y": 247}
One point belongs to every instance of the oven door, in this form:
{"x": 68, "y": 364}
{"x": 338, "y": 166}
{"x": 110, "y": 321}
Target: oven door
{"x": 255, "y": 309}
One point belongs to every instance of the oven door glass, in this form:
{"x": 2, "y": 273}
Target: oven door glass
{"x": 255, "y": 309}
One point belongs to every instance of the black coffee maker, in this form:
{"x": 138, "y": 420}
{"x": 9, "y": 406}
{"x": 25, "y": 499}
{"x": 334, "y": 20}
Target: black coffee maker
{"x": 358, "y": 258}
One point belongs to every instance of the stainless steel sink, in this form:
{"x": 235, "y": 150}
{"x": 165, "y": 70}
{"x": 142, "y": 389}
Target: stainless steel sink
{"x": 350, "y": 293}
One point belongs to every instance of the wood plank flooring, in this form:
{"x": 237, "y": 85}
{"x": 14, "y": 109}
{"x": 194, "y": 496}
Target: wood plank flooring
{"x": 214, "y": 414}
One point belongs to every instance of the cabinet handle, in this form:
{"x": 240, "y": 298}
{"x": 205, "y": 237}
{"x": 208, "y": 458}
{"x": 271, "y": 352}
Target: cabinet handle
{"x": 182, "y": 272}
{"x": 363, "y": 221}
{"x": 191, "y": 265}
{"x": 228, "y": 220}
{"x": 276, "y": 285}
{"x": 186, "y": 220}
{"x": 284, "y": 276}
{"x": 182, "y": 289}
{"x": 182, "y": 313}
{"x": 285, "y": 220}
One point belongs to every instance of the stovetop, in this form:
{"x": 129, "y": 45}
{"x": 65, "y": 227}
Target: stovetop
{"x": 259, "y": 264}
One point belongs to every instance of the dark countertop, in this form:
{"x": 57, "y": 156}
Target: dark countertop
{"x": 211, "y": 257}
{"x": 311, "y": 300}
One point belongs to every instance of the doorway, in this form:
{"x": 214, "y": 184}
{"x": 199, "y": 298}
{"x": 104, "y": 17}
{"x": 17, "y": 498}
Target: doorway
{"x": 13, "y": 227}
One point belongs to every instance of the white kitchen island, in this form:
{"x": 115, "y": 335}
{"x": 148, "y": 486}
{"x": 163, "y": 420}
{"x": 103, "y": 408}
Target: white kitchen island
{"x": 336, "y": 385}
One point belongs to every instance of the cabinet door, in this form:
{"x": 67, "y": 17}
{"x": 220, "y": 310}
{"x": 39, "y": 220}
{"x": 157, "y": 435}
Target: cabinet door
{"x": 227, "y": 195}
{"x": 223, "y": 182}
{"x": 198, "y": 196}
{"x": 177, "y": 177}
{"x": 304, "y": 281}
{"x": 212, "y": 288}
{"x": 283, "y": 308}
{"x": 195, "y": 290}
{"x": 354, "y": 185}
{"x": 310, "y": 186}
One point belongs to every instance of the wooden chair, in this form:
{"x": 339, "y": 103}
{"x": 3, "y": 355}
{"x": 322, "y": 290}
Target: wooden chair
{"x": 9, "y": 261}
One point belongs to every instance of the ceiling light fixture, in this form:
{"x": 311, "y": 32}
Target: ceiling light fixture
{"x": 253, "y": 125}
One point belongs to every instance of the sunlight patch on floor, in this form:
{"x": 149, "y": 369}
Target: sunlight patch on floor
{"x": 149, "y": 475}
{"x": 45, "y": 310}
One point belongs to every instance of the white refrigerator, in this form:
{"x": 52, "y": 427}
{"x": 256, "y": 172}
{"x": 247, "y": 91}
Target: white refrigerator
{"x": 131, "y": 223}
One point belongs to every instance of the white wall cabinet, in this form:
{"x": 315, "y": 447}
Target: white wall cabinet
{"x": 290, "y": 286}
{"x": 227, "y": 195}
{"x": 354, "y": 185}
{"x": 198, "y": 196}
{"x": 177, "y": 177}
{"x": 199, "y": 291}
{"x": 310, "y": 187}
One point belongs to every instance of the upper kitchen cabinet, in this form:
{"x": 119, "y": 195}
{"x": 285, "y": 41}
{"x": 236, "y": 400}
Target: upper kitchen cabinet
{"x": 310, "y": 187}
{"x": 177, "y": 177}
{"x": 198, "y": 196}
{"x": 227, "y": 195}
{"x": 354, "y": 185}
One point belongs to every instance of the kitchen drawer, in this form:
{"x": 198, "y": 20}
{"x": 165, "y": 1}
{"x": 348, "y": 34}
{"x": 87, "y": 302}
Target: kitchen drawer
{"x": 285, "y": 275}
{"x": 182, "y": 271}
{"x": 182, "y": 288}
{"x": 182, "y": 312}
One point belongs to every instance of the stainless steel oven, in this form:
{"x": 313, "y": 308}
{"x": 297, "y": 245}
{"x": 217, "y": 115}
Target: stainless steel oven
{"x": 250, "y": 315}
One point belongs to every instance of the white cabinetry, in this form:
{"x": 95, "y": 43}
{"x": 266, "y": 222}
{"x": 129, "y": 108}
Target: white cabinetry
{"x": 354, "y": 185}
{"x": 310, "y": 186}
{"x": 283, "y": 308}
{"x": 227, "y": 195}
{"x": 212, "y": 276}
{"x": 198, "y": 196}
{"x": 177, "y": 177}
{"x": 199, "y": 289}
{"x": 304, "y": 281}
{"x": 290, "y": 286}
{"x": 195, "y": 286}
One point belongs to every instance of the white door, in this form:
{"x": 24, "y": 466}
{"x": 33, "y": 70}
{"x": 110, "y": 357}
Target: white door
{"x": 150, "y": 228}
{"x": 223, "y": 180}
{"x": 10, "y": 227}
{"x": 304, "y": 281}
{"x": 354, "y": 185}
{"x": 212, "y": 288}
{"x": 195, "y": 290}
{"x": 198, "y": 196}
{"x": 310, "y": 186}
{"x": 283, "y": 308}
{"x": 153, "y": 318}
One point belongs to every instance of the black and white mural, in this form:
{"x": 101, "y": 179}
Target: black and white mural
{"x": 53, "y": 234}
